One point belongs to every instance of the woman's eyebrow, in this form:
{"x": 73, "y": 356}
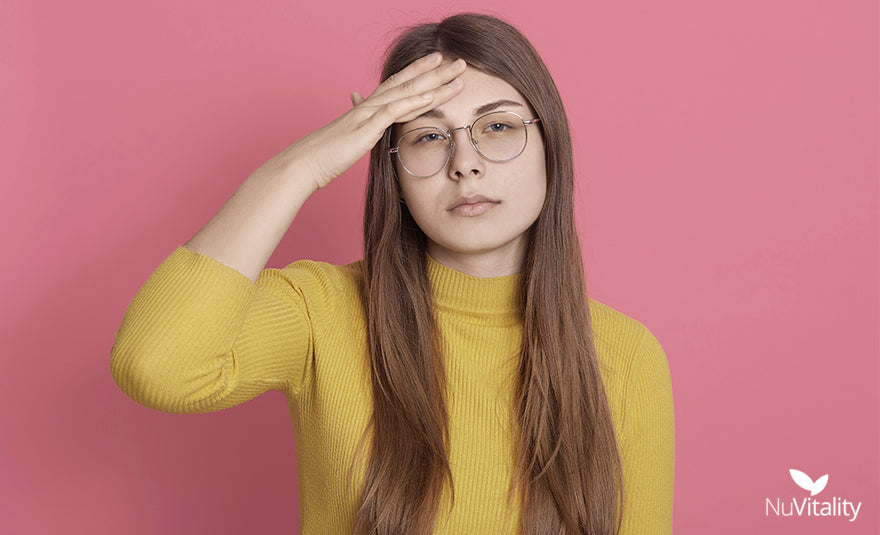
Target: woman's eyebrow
{"x": 484, "y": 109}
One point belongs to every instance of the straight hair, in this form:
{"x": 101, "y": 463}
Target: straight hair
{"x": 568, "y": 471}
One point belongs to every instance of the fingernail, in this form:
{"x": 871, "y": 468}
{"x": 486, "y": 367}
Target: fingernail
{"x": 428, "y": 96}
{"x": 458, "y": 63}
{"x": 455, "y": 83}
{"x": 433, "y": 56}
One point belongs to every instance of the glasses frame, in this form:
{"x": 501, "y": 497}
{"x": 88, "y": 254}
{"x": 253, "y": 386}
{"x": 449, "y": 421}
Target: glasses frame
{"x": 451, "y": 140}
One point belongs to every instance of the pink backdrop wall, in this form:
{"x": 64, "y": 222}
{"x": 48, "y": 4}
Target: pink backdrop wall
{"x": 728, "y": 163}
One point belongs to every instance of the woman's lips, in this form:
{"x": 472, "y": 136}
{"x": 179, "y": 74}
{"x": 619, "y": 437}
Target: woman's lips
{"x": 473, "y": 209}
{"x": 472, "y": 205}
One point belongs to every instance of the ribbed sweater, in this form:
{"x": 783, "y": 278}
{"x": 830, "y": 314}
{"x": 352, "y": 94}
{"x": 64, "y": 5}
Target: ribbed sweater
{"x": 199, "y": 336}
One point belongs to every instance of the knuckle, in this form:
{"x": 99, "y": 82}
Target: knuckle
{"x": 391, "y": 81}
{"x": 389, "y": 112}
{"x": 408, "y": 86}
{"x": 360, "y": 113}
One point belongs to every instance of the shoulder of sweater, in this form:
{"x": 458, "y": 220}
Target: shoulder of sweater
{"x": 624, "y": 343}
{"x": 317, "y": 276}
{"x": 610, "y": 322}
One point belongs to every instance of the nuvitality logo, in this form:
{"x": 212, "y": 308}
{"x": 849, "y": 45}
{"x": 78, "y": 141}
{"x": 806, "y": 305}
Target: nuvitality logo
{"x": 810, "y": 506}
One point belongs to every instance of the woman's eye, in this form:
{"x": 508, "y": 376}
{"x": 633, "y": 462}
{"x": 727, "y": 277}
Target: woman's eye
{"x": 433, "y": 136}
{"x": 497, "y": 127}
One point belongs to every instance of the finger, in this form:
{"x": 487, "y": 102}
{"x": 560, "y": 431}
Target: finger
{"x": 442, "y": 94}
{"x": 406, "y": 109}
{"x": 356, "y": 98}
{"x": 417, "y": 67}
{"x": 391, "y": 112}
{"x": 424, "y": 82}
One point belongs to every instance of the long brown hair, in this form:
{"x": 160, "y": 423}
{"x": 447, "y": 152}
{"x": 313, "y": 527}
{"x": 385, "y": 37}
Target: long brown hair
{"x": 568, "y": 470}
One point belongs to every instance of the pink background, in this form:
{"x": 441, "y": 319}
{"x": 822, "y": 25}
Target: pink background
{"x": 727, "y": 154}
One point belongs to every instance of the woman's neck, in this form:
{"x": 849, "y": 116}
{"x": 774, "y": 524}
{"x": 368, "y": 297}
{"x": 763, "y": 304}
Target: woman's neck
{"x": 478, "y": 300}
{"x": 497, "y": 262}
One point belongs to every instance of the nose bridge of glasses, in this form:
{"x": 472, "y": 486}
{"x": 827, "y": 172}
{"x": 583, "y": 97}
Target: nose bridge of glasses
{"x": 469, "y": 135}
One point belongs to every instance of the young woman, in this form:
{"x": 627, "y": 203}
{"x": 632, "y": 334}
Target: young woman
{"x": 457, "y": 379}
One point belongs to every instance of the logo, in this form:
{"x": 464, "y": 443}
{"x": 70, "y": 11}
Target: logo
{"x": 810, "y": 506}
{"x": 803, "y": 481}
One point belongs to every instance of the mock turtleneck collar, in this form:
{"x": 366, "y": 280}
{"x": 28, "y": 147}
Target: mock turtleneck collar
{"x": 491, "y": 300}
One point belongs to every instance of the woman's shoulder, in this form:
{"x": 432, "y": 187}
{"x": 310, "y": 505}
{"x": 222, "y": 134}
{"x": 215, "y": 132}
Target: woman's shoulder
{"x": 320, "y": 284}
{"x": 310, "y": 272}
{"x": 625, "y": 346}
{"x": 611, "y": 324}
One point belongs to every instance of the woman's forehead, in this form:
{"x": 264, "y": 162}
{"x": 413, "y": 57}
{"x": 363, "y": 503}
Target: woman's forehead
{"x": 482, "y": 93}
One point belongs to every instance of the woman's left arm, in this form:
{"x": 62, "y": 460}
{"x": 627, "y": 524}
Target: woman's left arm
{"x": 647, "y": 442}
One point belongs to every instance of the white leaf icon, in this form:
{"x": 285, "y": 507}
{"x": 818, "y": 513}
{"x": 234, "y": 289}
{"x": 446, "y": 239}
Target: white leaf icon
{"x": 819, "y": 485}
{"x": 803, "y": 481}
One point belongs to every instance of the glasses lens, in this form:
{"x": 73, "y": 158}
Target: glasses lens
{"x": 423, "y": 152}
{"x": 500, "y": 136}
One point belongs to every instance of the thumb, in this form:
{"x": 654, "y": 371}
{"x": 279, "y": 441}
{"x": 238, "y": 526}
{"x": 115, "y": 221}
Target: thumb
{"x": 356, "y": 98}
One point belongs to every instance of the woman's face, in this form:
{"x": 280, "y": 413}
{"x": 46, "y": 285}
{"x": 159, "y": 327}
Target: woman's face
{"x": 482, "y": 239}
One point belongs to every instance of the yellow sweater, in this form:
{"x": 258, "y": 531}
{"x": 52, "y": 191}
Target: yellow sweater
{"x": 200, "y": 336}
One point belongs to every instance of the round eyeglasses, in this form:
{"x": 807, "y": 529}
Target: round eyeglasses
{"x": 499, "y": 136}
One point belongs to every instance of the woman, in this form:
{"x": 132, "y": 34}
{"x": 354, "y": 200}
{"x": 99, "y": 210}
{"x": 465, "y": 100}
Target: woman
{"x": 457, "y": 380}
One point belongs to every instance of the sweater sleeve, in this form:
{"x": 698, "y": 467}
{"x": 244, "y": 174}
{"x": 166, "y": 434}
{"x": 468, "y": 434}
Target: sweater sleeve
{"x": 199, "y": 336}
{"x": 648, "y": 442}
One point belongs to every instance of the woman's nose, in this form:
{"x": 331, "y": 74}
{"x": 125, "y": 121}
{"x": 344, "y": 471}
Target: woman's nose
{"x": 464, "y": 160}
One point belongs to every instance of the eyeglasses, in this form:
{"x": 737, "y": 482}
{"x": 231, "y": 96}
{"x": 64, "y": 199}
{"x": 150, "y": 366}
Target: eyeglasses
{"x": 499, "y": 136}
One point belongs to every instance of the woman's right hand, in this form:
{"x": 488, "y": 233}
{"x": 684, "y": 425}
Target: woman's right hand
{"x": 331, "y": 150}
{"x": 247, "y": 228}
